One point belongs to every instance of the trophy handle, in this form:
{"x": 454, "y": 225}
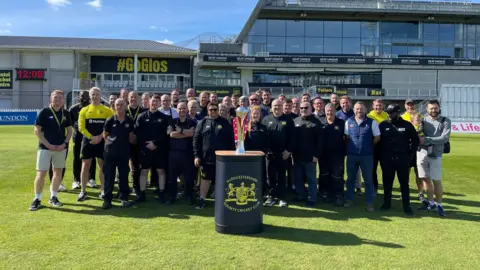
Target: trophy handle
{"x": 240, "y": 148}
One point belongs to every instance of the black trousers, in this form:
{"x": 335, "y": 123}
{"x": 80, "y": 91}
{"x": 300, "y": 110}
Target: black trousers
{"x": 376, "y": 159}
{"x": 276, "y": 175}
{"x": 400, "y": 165}
{"x": 50, "y": 170}
{"x": 332, "y": 173}
{"x": 135, "y": 173}
{"x": 77, "y": 161}
{"x": 181, "y": 163}
{"x": 153, "y": 178}
{"x": 111, "y": 164}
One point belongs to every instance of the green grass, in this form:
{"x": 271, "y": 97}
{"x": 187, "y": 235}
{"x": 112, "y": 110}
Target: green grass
{"x": 81, "y": 235}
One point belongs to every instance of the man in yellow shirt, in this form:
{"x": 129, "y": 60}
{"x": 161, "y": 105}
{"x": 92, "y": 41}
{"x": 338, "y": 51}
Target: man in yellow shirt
{"x": 410, "y": 110}
{"x": 378, "y": 115}
{"x": 90, "y": 123}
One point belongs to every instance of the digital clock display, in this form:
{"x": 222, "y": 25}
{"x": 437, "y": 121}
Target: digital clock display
{"x": 31, "y": 74}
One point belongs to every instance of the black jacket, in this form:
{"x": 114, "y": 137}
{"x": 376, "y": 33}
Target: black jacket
{"x": 135, "y": 113}
{"x": 334, "y": 138}
{"x": 397, "y": 138}
{"x": 280, "y": 133}
{"x": 257, "y": 138}
{"x": 212, "y": 135}
{"x": 74, "y": 113}
{"x": 308, "y": 139}
{"x": 152, "y": 127}
{"x": 322, "y": 117}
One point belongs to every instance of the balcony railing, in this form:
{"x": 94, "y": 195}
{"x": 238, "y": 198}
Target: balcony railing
{"x": 117, "y": 85}
{"x": 464, "y": 6}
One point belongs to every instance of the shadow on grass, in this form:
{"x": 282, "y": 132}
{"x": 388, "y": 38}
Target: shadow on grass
{"x": 324, "y": 238}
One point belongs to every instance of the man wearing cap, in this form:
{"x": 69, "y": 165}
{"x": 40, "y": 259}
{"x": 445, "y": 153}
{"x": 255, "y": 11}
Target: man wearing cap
{"x": 378, "y": 115}
{"x": 410, "y": 110}
{"x": 398, "y": 145}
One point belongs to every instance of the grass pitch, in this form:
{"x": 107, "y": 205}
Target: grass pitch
{"x": 83, "y": 236}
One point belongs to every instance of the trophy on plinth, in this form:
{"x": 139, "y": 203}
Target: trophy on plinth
{"x": 240, "y": 128}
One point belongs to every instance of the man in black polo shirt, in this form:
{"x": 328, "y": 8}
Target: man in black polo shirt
{"x": 151, "y": 130}
{"x": 118, "y": 132}
{"x": 180, "y": 159}
{"x": 203, "y": 110}
{"x": 53, "y": 127}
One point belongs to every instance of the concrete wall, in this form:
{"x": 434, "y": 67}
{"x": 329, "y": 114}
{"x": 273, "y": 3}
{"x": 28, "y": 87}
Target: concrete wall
{"x": 409, "y": 83}
{"x": 458, "y": 77}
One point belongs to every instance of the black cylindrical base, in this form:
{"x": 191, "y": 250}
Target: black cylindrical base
{"x": 238, "y": 193}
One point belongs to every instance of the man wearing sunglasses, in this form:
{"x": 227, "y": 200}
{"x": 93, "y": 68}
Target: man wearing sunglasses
{"x": 213, "y": 133}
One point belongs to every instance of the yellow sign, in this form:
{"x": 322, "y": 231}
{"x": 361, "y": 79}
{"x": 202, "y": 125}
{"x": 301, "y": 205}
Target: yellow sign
{"x": 145, "y": 65}
{"x": 242, "y": 197}
{"x": 324, "y": 90}
{"x": 342, "y": 92}
{"x": 5, "y": 79}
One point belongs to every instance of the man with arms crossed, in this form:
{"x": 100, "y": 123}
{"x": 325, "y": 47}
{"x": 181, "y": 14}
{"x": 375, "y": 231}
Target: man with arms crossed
{"x": 90, "y": 123}
{"x": 429, "y": 158}
{"x": 53, "y": 127}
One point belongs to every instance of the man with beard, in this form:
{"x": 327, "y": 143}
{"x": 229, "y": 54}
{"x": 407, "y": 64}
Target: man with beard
{"x": 180, "y": 158}
{"x": 266, "y": 102}
{"x": 213, "y": 98}
{"x": 334, "y": 100}
{"x": 123, "y": 95}
{"x": 436, "y": 129}
{"x": 280, "y": 130}
{"x": 213, "y": 133}
{"x": 190, "y": 93}
{"x": 398, "y": 144}
{"x": 175, "y": 98}
{"x": 151, "y": 130}
{"x": 77, "y": 141}
{"x": 307, "y": 151}
{"x": 133, "y": 111}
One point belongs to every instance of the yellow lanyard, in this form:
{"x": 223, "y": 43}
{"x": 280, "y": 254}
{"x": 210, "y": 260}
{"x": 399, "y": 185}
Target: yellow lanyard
{"x": 56, "y": 118}
{"x": 136, "y": 114}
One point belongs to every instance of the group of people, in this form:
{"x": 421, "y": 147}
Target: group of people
{"x": 171, "y": 139}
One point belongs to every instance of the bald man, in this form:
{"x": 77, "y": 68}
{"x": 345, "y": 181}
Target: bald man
{"x": 166, "y": 108}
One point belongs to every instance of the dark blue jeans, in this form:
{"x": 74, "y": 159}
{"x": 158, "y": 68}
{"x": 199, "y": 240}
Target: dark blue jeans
{"x": 366, "y": 165}
{"x": 305, "y": 170}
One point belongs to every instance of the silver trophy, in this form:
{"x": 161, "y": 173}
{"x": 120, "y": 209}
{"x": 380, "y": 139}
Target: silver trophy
{"x": 240, "y": 130}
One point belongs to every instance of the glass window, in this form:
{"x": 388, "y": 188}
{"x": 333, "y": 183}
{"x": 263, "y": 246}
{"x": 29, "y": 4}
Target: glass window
{"x": 314, "y": 28}
{"x": 295, "y": 28}
{"x": 254, "y": 48}
{"x": 386, "y": 51}
{"x": 399, "y": 50}
{"x": 351, "y": 46}
{"x": 415, "y": 50}
{"x": 430, "y": 51}
{"x": 369, "y": 29}
{"x": 430, "y": 32}
{"x": 259, "y": 28}
{"x": 125, "y": 77}
{"x": 470, "y": 29}
{"x": 459, "y": 34}
{"x": 276, "y": 28}
{"x": 152, "y": 78}
{"x": 219, "y": 73}
{"x": 313, "y": 45}
{"x": 161, "y": 77}
{"x": 399, "y": 30}
{"x": 144, "y": 78}
{"x": 170, "y": 78}
{"x": 257, "y": 39}
{"x": 107, "y": 77}
{"x": 369, "y": 51}
{"x": 459, "y": 53}
{"x": 446, "y": 33}
{"x": 117, "y": 77}
{"x": 333, "y": 29}
{"x": 295, "y": 45}
{"x": 370, "y": 41}
{"x": 276, "y": 44}
{"x": 471, "y": 53}
{"x": 204, "y": 73}
{"x": 351, "y": 29}
{"x": 447, "y": 52}
{"x": 333, "y": 45}
{"x": 478, "y": 35}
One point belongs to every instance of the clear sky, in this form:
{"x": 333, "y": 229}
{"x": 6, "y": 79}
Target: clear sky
{"x": 162, "y": 20}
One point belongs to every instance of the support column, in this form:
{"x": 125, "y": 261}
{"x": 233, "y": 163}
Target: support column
{"x": 15, "y": 83}
{"x": 246, "y": 76}
{"x": 135, "y": 70}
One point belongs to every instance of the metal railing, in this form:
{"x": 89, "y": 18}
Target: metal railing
{"x": 117, "y": 85}
{"x": 443, "y": 6}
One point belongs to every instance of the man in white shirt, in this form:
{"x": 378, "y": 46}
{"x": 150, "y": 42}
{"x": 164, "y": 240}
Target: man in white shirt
{"x": 166, "y": 107}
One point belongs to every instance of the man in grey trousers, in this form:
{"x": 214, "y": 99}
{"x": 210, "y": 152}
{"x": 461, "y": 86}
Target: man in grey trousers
{"x": 429, "y": 156}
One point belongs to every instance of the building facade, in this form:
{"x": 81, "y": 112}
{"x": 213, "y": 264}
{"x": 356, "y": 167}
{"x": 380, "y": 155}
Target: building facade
{"x": 362, "y": 48}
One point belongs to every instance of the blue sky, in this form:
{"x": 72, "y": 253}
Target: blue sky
{"x": 162, "y": 20}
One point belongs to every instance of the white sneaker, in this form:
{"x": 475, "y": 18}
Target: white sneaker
{"x": 61, "y": 188}
{"x": 75, "y": 185}
{"x": 283, "y": 204}
{"x": 102, "y": 195}
{"x": 92, "y": 183}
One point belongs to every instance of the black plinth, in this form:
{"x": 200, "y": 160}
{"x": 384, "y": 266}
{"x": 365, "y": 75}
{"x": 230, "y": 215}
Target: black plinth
{"x": 238, "y": 192}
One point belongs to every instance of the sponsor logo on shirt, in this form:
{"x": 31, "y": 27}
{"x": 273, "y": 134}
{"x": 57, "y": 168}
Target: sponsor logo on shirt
{"x": 284, "y": 123}
{"x": 219, "y": 126}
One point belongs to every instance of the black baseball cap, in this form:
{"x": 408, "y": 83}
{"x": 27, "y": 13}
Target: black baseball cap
{"x": 393, "y": 108}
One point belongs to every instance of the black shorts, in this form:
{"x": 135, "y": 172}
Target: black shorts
{"x": 152, "y": 159}
{"x": 207, "y": 172}
{"x": 89, "y": 151}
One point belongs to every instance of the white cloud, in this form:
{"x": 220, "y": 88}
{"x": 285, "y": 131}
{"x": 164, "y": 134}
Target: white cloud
{"x": 164, "y": 29}
{"x": 166, "y": 41}
{"x": 5, "y": 32}
{"x": 97, "y": 4}
{"x": 153, "y": 27}
{"x": 8, "y": 24}
{"x": 55, "y": 4}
